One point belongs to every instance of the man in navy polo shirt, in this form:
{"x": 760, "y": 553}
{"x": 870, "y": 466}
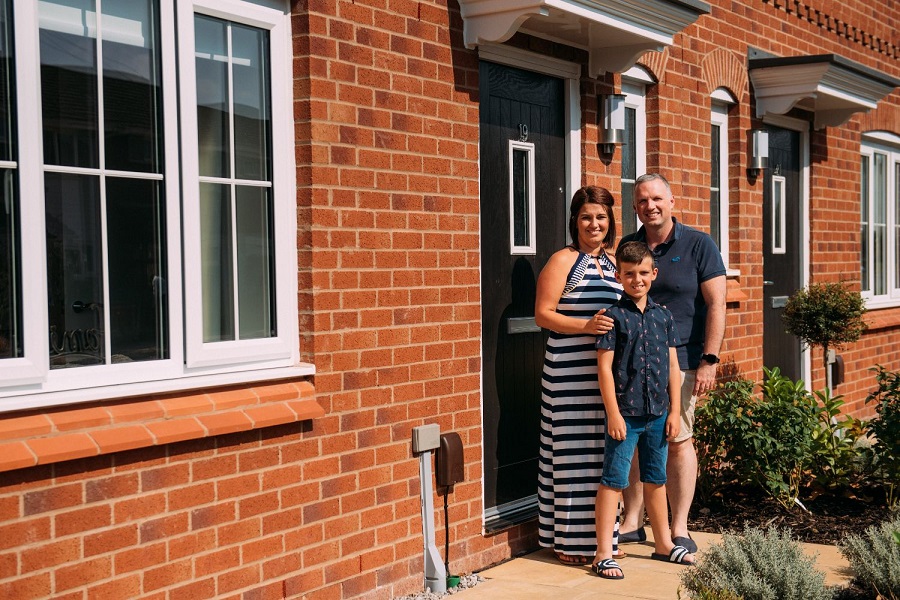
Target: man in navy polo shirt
{"x": 691, "y": 284}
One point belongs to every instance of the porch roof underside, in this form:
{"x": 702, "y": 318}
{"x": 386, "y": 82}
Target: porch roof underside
{"x": 615, "y": 33}
{"x": 830, "y": 86}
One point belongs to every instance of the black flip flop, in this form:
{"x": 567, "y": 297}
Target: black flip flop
{"x": 605, "y": 565}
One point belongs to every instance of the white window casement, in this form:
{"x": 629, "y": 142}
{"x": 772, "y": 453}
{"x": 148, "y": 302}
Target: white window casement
{"x": 634, "y": 148}
{"x": 149, "y": 231}
{"x": 880, "y": 220}
{"x": 718, "y": 179}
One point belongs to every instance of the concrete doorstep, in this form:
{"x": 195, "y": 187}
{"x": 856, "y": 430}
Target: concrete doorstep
{"x": 539, "y": 576}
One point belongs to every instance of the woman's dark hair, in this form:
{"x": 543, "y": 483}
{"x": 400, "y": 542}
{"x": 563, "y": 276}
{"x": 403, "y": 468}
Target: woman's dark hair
{"x": 592, "y": 194}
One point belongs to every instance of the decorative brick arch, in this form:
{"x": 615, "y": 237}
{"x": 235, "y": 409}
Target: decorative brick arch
{"x": 655, "y": 63}
{"x": 723, "y": 69}
{"x": 884, "y": 118}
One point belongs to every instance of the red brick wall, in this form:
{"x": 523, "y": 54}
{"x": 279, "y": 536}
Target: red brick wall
{"x": 387, "y": 150}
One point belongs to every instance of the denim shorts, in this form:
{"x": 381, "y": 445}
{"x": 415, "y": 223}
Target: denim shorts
{"x": 647, "y": 434}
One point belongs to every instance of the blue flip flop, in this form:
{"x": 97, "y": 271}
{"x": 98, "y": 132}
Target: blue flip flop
{"x": 633, "y": 537}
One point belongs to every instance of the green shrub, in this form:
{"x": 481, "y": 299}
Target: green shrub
{"x": 781, "y": 440}
{"x": 875, "y": 558}
{"x": 756, "y": 565}
{"x": 886, "y": 429}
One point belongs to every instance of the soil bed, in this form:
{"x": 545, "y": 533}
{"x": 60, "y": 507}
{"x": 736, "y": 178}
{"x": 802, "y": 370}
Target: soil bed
{"x": 827, "y": 520}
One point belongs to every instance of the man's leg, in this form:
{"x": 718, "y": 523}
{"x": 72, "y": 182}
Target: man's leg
{"x": 681, "y": 468}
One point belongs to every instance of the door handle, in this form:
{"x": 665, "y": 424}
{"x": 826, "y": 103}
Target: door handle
{"x": 766, "y": 282}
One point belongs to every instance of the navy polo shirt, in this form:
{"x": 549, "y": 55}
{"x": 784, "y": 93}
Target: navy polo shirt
{"x": 684, "y": 262}
{"x": 640, "y": 342}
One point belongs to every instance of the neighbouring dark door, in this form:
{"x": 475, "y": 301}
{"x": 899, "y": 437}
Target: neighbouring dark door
{"x": 782, "y": 254}
{"x": 523, "y": 221}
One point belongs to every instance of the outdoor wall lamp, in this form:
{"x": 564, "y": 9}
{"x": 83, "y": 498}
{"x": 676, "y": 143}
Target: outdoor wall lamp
{"x": 612, "y": 114}
{"x": 759, "y": 151}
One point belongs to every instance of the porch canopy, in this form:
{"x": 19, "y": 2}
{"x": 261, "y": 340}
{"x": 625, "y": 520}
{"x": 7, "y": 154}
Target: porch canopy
{"x": 832, "y": 87}
{"x": 614, "y": 32}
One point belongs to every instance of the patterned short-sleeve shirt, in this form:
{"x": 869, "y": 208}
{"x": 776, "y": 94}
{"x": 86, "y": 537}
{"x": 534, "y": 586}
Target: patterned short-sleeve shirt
{"x": 640, "y": 342}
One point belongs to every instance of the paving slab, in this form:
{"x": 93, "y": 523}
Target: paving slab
{"x": 539, "y": 576}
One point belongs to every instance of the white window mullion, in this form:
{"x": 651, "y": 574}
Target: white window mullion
{"x": 232, "y": 188}
{"x": 104, "y": 226}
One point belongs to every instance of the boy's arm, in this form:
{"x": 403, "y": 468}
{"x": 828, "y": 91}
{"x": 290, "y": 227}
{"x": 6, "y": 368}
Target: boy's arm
{"x": 673, "y": 421}
{"x": 615, "y": 424}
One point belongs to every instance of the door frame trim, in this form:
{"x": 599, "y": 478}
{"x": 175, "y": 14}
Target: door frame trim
{"x": 802, "y": 127}
{"x": 570, "y": 73}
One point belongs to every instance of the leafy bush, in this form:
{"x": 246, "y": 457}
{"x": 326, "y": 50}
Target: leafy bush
{"x": 875, "y": 558}
{"x": 782, "y": 441}
{"x": 886, "y": 429}
{"x": 756, "y": 565}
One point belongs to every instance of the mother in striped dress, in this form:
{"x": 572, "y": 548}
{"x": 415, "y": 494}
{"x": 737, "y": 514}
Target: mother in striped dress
{"x": 574, "y": 288}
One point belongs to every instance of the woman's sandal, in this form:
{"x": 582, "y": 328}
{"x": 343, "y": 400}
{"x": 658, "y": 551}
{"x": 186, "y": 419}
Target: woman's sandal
{"x": 676, "y": 556}
{"x": 571, "y": 559}
{"x": 607, "y": 564}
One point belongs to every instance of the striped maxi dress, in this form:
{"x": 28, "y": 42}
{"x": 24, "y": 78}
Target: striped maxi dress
{"x": 572, "y": 416}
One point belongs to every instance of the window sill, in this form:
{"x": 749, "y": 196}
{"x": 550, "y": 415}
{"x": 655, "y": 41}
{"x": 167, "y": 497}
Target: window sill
{"x": 882, "y": 318}
{"x": 44, "y": 437}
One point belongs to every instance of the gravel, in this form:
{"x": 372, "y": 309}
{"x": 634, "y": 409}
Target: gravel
{"x": 465, "y": 582}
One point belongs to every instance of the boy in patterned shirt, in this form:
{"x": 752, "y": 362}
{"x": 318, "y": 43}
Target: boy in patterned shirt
{"x": 642, "y": 405}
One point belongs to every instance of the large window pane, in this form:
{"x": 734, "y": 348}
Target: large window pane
{"x": 864, "y": 225}
{"x": 216, "y": 258}
{"x": 213, "y": 118}
{"x": 69, "y": 82}
{"x": 629, "y": 171}
{"x": 10, "y": 266}
{"x": 10, "y": 271}
{"x": 138, "y": 307}
{"x": 879, "y": 223}
{"x": 7, "y": 106}
{"x": 256, "y": 292}
{"x": 131, "y": 86}
{"x": 74, "y": 270}
{"x": 252, "y": 123}
{"x": 714, "y": 187}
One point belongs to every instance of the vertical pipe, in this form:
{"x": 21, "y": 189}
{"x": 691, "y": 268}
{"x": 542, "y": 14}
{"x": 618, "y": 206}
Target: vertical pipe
{"x": 435, "y": 572}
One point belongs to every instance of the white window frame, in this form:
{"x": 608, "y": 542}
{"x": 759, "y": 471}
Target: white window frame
{"x": 529, "y": 249}
{"x": 887, "y": 145}
{"x": 28, "y": 382}
{"x": 721, "y": 101}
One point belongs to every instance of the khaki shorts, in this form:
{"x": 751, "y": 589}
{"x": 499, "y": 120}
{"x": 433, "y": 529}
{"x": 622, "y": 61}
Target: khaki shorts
{"x": 688, "y": 403}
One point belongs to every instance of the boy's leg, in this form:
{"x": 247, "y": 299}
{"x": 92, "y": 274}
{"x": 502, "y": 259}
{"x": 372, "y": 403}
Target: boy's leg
{"x": 617, "y": 457}
{"x": 633, "y": 497}
{"x": 607, "y": 501}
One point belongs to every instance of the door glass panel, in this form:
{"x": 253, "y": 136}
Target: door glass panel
{"x": 69, "y": 100}
{"x": 213, "y": 103}
{"x": 131, "y": 86}
{"x": 74, "y": 270}
{"x": 138, "y": 311}
{"x": 252, "y": 122}
{"x": 521, "y": 198}
{"x": 253, "y": 212}
{"x": 896, "y": 226}
{"x": 216, "y": 258}
{"x": 778, "y": 215}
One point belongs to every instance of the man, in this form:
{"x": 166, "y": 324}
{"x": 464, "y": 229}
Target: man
{"x": 691, "y": 284}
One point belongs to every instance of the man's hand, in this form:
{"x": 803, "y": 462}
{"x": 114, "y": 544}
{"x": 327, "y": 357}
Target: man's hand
{"x": 706, "y": 378}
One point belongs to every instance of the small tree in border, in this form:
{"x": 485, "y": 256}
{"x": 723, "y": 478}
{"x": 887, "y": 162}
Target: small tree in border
{"x": 827, "y": 315}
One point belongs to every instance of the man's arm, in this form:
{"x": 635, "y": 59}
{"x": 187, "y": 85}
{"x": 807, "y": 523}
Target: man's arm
{"x": 713, "y": 291}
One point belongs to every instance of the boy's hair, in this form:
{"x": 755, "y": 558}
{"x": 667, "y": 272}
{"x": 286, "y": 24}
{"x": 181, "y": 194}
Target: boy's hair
{"x": 633, "y": 253}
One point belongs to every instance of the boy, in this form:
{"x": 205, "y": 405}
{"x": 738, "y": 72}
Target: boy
{"x": 635, "y": 358}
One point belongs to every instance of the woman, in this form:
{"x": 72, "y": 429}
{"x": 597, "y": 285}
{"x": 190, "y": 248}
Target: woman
{"x": 574, "y": 288}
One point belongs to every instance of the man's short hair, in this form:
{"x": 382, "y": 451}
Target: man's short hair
{"x": 652, "y": 177}
{"x": 633, "y": 253}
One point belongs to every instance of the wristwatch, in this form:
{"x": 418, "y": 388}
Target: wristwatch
{"x": 710, "y": 358}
